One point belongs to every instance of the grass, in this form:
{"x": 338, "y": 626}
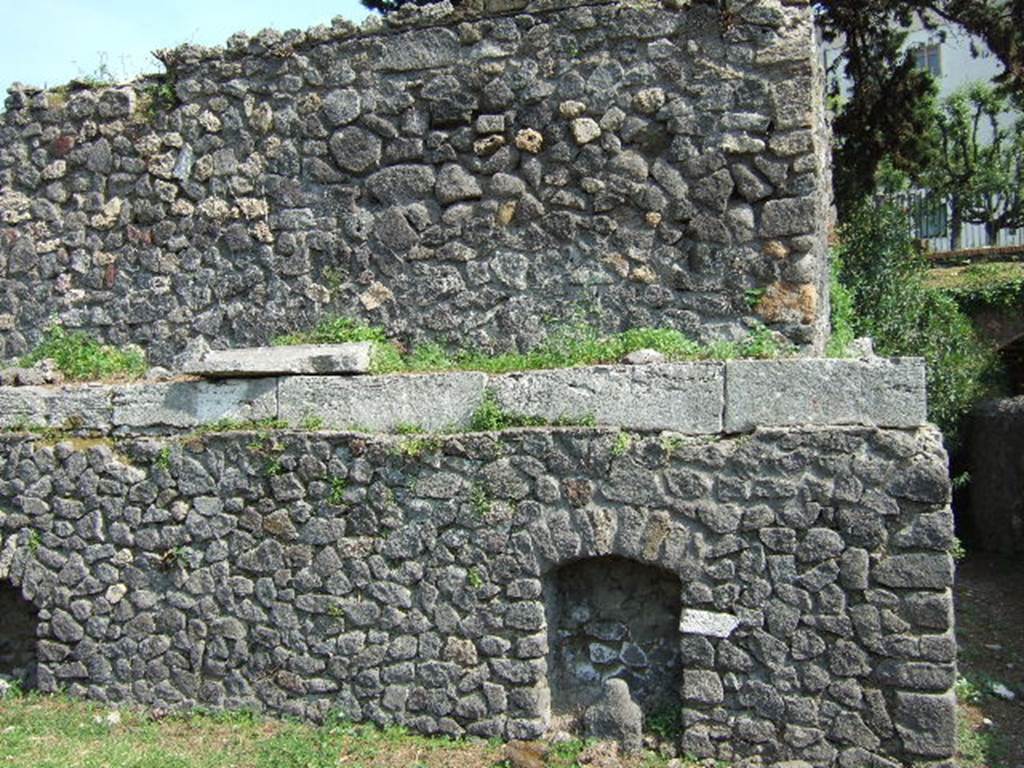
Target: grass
{"x": 975, "y": 277}
{"x": 81, "y": 358}
{"x": 567, "y": 346}
{"x": 55, "y": 731}
{"x": 490, "y": 416}
{"x": 38, "y": 731}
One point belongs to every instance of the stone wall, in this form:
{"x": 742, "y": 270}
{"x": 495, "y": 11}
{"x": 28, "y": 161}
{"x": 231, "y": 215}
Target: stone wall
{"x": 402, "y": 579}
{"x": 452, "y": 177}
{"x": 997, "y": 475}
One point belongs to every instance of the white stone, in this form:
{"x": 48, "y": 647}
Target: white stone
{"x": 585, "y": 130}
{"x": 695, "y": 622}
{"x": 115, "y": 593}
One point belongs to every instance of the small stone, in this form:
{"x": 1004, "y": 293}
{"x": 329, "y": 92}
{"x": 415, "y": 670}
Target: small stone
{"x": 643, "y": 357}
{"x": 585, "y": 130}
{"x": 490, "y": 124}
{"x": 530, "y": 140}
{"x": 341, "y": 107}
{"x": 571, "y": 109}
{"x": 526, "y": 754}
{"x": 862, "y": 347}
{"x": 616, "y": 717}
{"x": 488, "y": 145}
{"x": 649, "y": 100}
{"x": 1000, "y": 690}
{"x": 355, "y": 150}
{"x": 115, "y": 593}
{"x": 455, "y": 183}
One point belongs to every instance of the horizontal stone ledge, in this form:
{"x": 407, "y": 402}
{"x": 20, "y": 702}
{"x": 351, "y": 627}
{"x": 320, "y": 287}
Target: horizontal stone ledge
{"x": 321, "y": 359}
{"x": 677, "y": 397}
{"x": 690, "y": 398}
{"x": 64, "y": 407}
{"x": 878, "y": 392}
{"x": 190, "y": 404}
{"x": 430, "y": 401}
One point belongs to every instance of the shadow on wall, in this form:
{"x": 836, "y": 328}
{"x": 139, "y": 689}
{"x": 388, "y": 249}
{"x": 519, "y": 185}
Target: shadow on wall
{"x": 609, "y": 617}
{"x": 18, "y": 633}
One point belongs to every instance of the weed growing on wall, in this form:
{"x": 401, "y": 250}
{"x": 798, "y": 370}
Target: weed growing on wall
{"x": 567, "y": 346}
{"x": 81, "y": 358}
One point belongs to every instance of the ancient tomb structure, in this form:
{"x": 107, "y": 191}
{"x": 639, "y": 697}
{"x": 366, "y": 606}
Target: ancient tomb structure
{"x": 756, "y": 548}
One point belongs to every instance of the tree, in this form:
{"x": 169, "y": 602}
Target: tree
{"x": 891, "y": 108}
{"x": 981, "y": 163}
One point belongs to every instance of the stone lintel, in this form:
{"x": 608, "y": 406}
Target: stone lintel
{"x": 66, "y": 407}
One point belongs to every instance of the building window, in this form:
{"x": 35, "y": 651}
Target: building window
{"x": 929, "y": 58}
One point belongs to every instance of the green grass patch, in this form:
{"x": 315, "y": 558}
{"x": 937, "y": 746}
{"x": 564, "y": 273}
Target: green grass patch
{"x": 57, "y": 732}
{"x": 567, "y": 346}
{"x": 81, "y": 358}
{"x": 491, "y": 417}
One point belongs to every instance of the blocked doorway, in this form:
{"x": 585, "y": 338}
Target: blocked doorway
{"x": 18, "y": 638}
{"x": 611, "y": 617}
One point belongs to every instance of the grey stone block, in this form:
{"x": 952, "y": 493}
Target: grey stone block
{"x": 681, "y": 397}
{"x": 268, "y": 361}
{"x": 917, "y": 570}
{"x": 382, "y": 403}
{"x": 71, "y": 407}
{"x": 779, "y": 393}
{"x": 927, "y": 723}
{"x": 186, "y": 404}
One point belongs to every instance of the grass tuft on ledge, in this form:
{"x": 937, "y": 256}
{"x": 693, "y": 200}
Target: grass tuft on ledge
{"x": 567, "y": 346}
{"x": 81, "y": 358}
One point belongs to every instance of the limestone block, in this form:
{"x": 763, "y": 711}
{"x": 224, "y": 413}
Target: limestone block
{"x": 382, "y": 403}
{"x": 778, "y": 393}
{"x": 353, "y": 357}
{"x": 187, "y": 404}
{"x": 697, "y": 622}
{"x": 68, "y": 407}
{"x": 681, "y": 397}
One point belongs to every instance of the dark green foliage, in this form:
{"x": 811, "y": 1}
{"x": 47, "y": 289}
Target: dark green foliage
{"x": 998, "y": 285}
{"x": 885, "y": 276}
{"x": 891, "y": 110}
{"x": 81, "y": 358}
{"x": 841, "y": 312}
{"x": 161, "y": 96}
{"x": 890, "y": 113}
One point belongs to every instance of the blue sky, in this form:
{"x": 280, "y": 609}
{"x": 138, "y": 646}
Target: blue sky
{"x": 48, "y": 42}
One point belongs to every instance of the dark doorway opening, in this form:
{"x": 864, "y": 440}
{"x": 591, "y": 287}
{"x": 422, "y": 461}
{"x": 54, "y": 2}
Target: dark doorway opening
{"x": 18, "y": 634}
{"x": 609, "y": 617}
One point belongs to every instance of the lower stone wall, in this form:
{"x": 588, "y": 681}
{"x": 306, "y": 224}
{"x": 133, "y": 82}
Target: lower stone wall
{"x": 404, "y": 579}
{"x": 997, "y": 475}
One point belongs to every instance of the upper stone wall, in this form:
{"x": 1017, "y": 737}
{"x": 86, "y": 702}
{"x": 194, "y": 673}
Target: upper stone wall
{"x": 451, "y": 176}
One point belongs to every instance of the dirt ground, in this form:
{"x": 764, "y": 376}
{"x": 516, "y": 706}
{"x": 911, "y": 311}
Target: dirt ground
{"x": 990, "y": 634}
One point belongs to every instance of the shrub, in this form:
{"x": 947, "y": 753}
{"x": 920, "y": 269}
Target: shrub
{"x": 884, "y": 273}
